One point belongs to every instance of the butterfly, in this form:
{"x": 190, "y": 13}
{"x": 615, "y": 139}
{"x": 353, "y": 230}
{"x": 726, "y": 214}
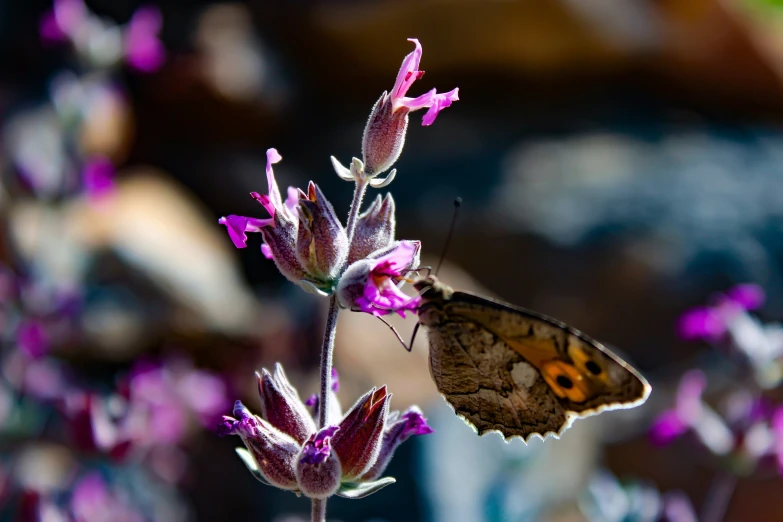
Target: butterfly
{"x": 507, "y": 369}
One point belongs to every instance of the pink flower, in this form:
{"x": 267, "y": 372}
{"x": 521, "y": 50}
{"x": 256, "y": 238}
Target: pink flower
{"x": 711, "y": 322}
{"x": 409, "y": 73}
{"x": 303, "y": 235}
{"x": 285, "y": 450}
{"x": 63, "y": 21}
{"x": 384, "y": 134}
{"x": 675, "y": 422}
{"x": 144, "y": 51}
{"x": 371, "y": 285}
{"x": 98, "y": 177}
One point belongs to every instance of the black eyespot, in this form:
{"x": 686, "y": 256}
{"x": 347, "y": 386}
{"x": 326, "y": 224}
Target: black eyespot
{"x": 593, "y": 367}
{"x": 564, "y": 382}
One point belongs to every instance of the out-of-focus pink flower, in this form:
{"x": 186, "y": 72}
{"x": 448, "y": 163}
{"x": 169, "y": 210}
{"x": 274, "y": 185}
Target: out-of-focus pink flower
{"x": 63, "y": 21}
{"x": 32, "y": 339}
{"x": 727, "y": 320}
{"x": 712, "y": 322}
{"x": 691, "y": 414}
{"x": 371, "y": 285}
{"x": 98, "y": 177}
{"x": 93, "y": 501}
{"x": 164, "y": 397}
{"x": 143, "y": 49}
{"x": 777, "y": 430}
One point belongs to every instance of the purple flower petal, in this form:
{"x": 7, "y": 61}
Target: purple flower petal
{"x": 397, "y": 261}
{"x": 70, "y": 15}
{"x": 748, "y": 296}
{"x": 318, "y": 447}
{"x": 49, "y": 29}
{"x": 98, "y": 177}
{"x": 272, "y": 157}
{"x": 666, "y": 428}
{"x": 143, "y": 49}
{"x": 237, "y": 226}
{"x": 692, "y": 385}
{"x": 438, "y": 103}
{"x": 31, "y": 339}
{"x": 411, "y": 422}
{"x": 409, "y": 71}
{"x": 335, "y": 380}
{"x": 702, "y": 323}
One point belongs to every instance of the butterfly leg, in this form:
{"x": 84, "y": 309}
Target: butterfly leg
{"x": 393, "y": 329}
{"x": 419, "y": 269}
{"x": 396, "y": 333}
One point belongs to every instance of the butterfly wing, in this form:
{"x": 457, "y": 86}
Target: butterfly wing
{"x": 490, "y": 385}
{"x": 515, "y": 371}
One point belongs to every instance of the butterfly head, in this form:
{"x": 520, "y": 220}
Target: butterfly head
{"x": 432, "y": 290}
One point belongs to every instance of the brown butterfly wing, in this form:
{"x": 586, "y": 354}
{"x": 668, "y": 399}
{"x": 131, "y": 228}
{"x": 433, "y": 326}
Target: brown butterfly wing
{"x": 572, "y": 375}
{"x": 477, "y": 372}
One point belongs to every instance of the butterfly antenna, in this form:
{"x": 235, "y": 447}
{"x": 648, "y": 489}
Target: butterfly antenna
{"x": 457, "y": 205}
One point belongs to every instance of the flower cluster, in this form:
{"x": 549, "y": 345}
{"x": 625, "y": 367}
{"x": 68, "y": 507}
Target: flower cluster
{"x": 727, "y": 324}
{"x": 746, "y": 430}
{"x": 305, "y": 238}
{"x": 101, "y": 42}
{"x": 347, "y": 457}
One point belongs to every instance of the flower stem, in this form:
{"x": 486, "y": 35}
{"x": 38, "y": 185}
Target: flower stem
{"x": 358, "y": 195}
{"x": 327, "y": 351}
{"x": 327, "y": 348}
{"x": 319, "y": 510}
{"x": 719, "y": 497}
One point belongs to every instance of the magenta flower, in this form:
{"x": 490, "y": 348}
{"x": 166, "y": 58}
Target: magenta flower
{"x": 303, "y": 235}
{"x": 63, "y": 21}
{"x": 372, "y": 285}
{"x": 384, "y": 134}
{"x": 409, "y": 73}
{"x": 712, "y": 322}
{"x": 285, "y": 450}
{"x": 93, "y": 500}
{"x": 727, "y": 322}
{"x": 32, "y": 339}
{"x": 98, "y": 177}
{"x": 691, "y": 414}
{"x": 143, "y": 50}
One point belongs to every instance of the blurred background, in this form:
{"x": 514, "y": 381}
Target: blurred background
{"x": 620, "y": 161}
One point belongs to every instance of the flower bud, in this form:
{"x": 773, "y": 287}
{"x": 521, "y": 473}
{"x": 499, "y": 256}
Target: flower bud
{"x": 358, "y": 442}
{"x": 281, "y": 406}
{"x": 384, "y": 136}
{"x": 374, "y": 229}
{"x": 274, "y": 452}
{"x": 322, "y": 246}
{"x": 318, "y": 469}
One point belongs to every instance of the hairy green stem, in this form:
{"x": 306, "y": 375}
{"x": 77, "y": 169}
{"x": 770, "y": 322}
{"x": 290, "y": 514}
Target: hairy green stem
{"x": 319, "y": 510}
{"x": 327, "y": 348}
